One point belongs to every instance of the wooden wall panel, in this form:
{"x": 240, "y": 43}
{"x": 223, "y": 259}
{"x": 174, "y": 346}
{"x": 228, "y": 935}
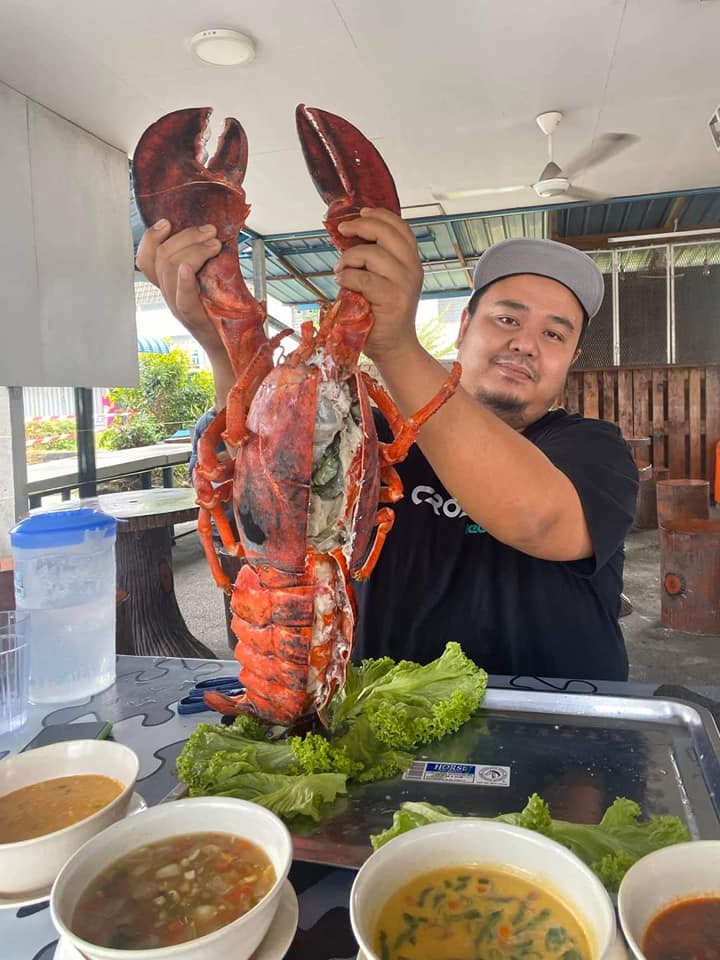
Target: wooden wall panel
{"x": 677, "y": 407}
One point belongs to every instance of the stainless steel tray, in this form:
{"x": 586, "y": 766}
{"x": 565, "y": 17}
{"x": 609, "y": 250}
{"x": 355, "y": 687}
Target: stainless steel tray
{"x": 577, "y": 751}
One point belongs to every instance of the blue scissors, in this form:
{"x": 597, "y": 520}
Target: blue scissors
{"x": 194, "y": 702}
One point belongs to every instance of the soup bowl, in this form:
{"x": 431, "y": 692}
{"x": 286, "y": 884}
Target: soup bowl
{"x": 542, "y": 862}
{"x": 662, "y": 878}
{"x": 243, "y": 819}
{"x": 27, "y": 866}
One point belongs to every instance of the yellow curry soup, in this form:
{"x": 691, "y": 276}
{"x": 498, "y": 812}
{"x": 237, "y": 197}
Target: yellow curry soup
{"x": 51, "y": 805}
{"x": 477, "y": 913}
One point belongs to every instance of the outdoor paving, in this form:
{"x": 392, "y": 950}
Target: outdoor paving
{"x": 656, "y": 653}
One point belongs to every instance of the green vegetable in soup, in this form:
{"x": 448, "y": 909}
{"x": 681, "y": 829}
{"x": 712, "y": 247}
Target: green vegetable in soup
{"x": 477, "y": 913}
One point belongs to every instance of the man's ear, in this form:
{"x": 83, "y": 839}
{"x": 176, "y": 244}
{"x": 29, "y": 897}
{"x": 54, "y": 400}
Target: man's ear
{"x": 465, "y": 319}
{"x": 578, "y": 354}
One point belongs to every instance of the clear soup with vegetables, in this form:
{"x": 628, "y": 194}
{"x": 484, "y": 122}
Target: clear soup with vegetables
{"x": 477, "y": 913}
{"x": 172, "y": 891}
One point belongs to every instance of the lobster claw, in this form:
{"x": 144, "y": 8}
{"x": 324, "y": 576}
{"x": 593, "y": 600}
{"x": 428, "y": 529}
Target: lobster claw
{"x": 170, "y": 179}
{"x": 347, "y": 170}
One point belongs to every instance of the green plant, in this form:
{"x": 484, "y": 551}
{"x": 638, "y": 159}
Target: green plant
{"x": 433, "y": 336}
{"x": 168, "y": 391}
{"x": 138, "y": 430}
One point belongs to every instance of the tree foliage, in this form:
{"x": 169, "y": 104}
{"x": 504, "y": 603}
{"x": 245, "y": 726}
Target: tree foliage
{"x": 168, "y": 391}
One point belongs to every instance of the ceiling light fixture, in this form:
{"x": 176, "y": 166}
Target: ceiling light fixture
{"x": 223, "y": 48}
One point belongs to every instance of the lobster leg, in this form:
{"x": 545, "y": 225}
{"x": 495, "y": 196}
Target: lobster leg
{"x": 384, "y": 519}
{"x": 405, "y": 431}
{"x": 392, "y": 489}
{"x": 208, "y": 464}
{"x": 206, "y": 538}
{"x": 242, "y": 392}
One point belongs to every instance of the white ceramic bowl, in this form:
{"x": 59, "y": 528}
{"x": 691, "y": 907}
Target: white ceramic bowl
{"x": 30, "y": 865}
{"x": 663, "y": 877}
{"x": 491, "y": 844}
{"x": 199, "y": 815}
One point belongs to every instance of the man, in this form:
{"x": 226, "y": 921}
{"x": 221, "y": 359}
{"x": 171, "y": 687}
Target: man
{"x": 510, "y": 536}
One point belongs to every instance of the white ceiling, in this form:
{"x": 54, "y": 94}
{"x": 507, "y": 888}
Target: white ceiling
{"x": 448, "y": 89}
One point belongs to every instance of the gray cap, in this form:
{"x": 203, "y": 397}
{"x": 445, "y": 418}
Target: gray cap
{"x": 546, "y": 258}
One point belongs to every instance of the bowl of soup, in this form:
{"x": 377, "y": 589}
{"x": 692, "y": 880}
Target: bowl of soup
{"x": 197, "y": 878}
{"x": 669, "y": 903}
{"x": 53, "y": 799}
{"x": 466, "y": 889}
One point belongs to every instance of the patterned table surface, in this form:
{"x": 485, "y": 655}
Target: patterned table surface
{"x": 142, "y": 707}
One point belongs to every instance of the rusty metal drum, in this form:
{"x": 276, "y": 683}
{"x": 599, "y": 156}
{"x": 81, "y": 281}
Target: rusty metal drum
{"x": 690, "y": 575}
{"x": 682, "y": 498}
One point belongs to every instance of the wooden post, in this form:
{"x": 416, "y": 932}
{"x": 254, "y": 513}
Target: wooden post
{"x": 682, "y": 498}
{"x": 690, "y": 575}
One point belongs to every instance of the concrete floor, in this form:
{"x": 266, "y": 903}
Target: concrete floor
{"x": 656, "y": 653}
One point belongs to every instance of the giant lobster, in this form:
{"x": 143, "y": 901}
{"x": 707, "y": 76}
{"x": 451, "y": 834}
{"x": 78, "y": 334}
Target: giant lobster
{"x": 310, "y": 482}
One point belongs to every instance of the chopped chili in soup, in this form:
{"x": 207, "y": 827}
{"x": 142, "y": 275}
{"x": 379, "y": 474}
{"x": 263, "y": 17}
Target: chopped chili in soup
{"x": 686, "y": 930}
{"x": 175, "y": 890}
{"x": 51, "y": 805}
{"x": 475, "y": 913}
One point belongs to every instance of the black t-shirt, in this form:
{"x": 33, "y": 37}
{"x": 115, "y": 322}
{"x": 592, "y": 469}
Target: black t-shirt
{"x": 441, "y": 577}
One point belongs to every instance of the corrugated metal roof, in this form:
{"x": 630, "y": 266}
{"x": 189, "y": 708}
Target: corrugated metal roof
{"x": 298, "y": 265}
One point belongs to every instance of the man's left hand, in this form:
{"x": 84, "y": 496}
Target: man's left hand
{"x": 387, "y": 271}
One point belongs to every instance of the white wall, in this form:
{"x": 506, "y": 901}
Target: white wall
{"x": 66, "y": 272}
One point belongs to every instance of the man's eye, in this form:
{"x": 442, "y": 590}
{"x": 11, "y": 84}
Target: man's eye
{"x": 554, "y": 335}
{"x": 507, "y": 320}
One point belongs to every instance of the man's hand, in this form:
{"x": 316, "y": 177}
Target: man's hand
{"x": 387, "y": 272}
{"x": 171, "y": 262}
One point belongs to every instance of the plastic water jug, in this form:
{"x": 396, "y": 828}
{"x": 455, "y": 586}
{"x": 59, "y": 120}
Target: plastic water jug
{"x": 65, "y": 578}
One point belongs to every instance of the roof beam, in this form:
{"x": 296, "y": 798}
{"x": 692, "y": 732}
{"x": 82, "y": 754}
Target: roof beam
{"x": 458, "y": 252}
{"x": 295, "y": 274}
{"x": 599, "y": 241}
{"x": 676, "y": 211}
{"x": 553, "y": 225}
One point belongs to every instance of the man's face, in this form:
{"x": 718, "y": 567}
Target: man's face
{"x": 517, "y": 347}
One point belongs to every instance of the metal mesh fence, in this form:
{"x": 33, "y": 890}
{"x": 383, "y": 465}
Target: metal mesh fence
{"x": 642, "y": 299}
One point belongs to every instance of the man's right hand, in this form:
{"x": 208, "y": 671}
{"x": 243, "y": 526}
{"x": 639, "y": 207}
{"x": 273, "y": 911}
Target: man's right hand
{"x": 171, "y": 263}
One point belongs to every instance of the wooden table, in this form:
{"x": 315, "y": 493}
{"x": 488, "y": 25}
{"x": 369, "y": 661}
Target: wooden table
{"x": 149, "y": 619}
{"x": 62, "y": 474}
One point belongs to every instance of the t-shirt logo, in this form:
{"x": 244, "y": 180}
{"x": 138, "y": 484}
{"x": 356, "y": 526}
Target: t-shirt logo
{"x": 449, "y": 508}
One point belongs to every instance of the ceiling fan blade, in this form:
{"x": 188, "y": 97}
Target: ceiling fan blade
{"x": 602, "y": 149}
{"x": 591, "y": 196}
{"x": 481, "y": 192}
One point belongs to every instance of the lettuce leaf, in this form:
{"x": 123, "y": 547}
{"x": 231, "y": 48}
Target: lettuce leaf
{"x": 219, "y": 761}
{"x": 385, "y": 710}
{"x": 609, "y": 848}
{"x": 408, "y": 705}
{"x": 358, "y": 754}
{"x": 235, "y": 774}
{"x": 208, "y": 739}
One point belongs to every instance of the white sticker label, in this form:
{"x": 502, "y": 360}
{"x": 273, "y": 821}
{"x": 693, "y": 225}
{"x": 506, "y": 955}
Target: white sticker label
{"x": 470, "y": 774}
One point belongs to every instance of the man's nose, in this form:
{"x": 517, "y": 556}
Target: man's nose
{"x": 524, "y": 342}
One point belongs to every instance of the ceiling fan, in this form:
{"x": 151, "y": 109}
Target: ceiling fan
{"x": 553, "y": 181}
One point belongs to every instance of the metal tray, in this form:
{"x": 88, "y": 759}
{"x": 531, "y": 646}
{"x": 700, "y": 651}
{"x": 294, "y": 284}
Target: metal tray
{"x": 578, "y": 752}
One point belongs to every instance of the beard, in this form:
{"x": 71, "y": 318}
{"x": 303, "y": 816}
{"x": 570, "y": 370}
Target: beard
{"x": 509, "y": 409}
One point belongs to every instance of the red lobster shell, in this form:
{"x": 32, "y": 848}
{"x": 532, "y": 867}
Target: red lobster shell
{"x": 309, "y": 477}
